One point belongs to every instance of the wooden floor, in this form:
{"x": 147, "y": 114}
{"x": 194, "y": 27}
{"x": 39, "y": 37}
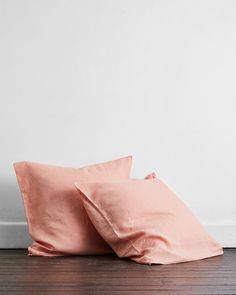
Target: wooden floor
{"x": 20, "y": 274}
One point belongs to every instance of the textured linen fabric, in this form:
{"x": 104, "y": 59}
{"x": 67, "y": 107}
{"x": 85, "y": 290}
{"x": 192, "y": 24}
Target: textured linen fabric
{"x": 57, "y": 220}
{"x": 145, "y": 221}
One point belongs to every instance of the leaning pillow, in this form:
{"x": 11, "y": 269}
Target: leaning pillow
{"x": 145, "y": 221}
{"x": 57, "y": 221}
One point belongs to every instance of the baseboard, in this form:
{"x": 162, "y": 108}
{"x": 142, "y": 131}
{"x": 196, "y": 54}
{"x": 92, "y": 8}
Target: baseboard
{"x": 15, "y": 234}
{"x": 224, "y": 233}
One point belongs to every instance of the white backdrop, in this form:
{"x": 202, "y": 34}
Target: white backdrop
{"x": 89, "y": 81}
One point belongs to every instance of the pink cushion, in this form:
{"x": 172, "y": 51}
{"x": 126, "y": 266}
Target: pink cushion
{"x": 56, "y": 218}
{"x": 145, "y": 221}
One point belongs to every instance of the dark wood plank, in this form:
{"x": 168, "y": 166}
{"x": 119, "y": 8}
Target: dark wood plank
{"x": 20, "y": 274}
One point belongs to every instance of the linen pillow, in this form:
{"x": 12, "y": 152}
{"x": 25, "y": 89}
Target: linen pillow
{"x": 145, "y": 221}
{"x": 57, "y": 221}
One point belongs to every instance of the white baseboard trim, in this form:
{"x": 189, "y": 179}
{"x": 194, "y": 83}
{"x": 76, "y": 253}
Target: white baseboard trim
{"x": 15, "y": 235}
{"x": 224, "y": 233}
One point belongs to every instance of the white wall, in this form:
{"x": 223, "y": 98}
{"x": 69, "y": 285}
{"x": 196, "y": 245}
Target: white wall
{"x": 89, "y": 81}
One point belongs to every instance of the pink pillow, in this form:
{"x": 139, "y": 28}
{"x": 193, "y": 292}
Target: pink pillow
{"x": 145, "y": 221}
{"x": 57, "y": 220}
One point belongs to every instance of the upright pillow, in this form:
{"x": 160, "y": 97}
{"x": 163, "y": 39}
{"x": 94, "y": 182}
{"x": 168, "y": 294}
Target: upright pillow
{"x": 145, "y": 221}
{"x": 57, "y": 220}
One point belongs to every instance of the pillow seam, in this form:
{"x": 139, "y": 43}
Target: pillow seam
{"x": 107, "y": 221}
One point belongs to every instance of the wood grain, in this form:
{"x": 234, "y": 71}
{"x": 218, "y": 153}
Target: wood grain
{"x": 20, "y": 274}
